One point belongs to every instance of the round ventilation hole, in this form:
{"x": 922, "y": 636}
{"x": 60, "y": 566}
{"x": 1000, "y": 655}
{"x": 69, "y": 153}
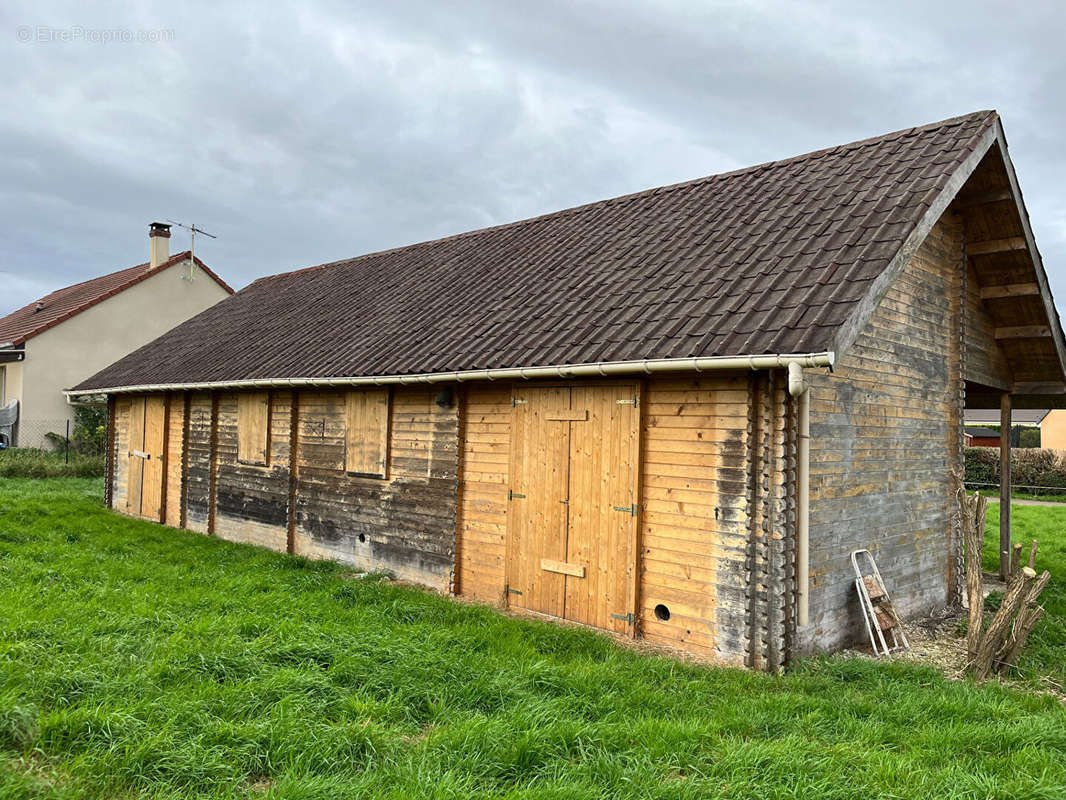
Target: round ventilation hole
{"x": 662, "y": 612}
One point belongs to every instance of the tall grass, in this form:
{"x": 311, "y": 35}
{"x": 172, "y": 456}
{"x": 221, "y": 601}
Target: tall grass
{"x": 32, "y": 463}
{"x": 141, "y": 661}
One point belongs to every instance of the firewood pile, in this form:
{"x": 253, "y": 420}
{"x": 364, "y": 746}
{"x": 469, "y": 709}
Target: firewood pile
{"x": 996, "y": 648}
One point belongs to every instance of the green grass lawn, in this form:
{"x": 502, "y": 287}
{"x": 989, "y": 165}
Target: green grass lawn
{"x": 141, "y": 661}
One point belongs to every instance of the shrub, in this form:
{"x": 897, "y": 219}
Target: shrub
{"x": 1030, "y": 467}
{"x": 88, "y": 436}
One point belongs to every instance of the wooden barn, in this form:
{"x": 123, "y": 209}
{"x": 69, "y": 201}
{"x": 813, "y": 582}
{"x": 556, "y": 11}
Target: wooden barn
{"x": 670, "y": 415}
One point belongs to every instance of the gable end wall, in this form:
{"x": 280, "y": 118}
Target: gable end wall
{"x": 885, "y": 442}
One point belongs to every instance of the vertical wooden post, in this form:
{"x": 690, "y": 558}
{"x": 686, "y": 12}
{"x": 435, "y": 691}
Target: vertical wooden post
{"x": 186, "y": 414}
{"x": 1004, "y": 485}
{"x": 212, "y": 493}
{"x": 637, "y": 557}
{"x": 294, "y": 444}
{"x": 109, "y": 463}
{"x": 164, "y": 459}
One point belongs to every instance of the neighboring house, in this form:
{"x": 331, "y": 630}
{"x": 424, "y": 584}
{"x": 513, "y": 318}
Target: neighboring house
{"x": 981, "y": 437}
{"x": 60, "y": 339}
{"x": 1053, "y": 430}
{"x": 602, "y": 414}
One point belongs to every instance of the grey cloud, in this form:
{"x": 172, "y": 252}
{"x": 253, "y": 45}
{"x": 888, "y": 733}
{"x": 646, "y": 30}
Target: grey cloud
{"x": 305, "y": 132}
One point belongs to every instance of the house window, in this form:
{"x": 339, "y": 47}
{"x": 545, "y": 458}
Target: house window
{"x": 253, "y": 428}
{"x": 367, "y": 432}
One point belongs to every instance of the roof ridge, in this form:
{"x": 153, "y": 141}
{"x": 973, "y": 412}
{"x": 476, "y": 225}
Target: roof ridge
{"x": 564, "y": 212}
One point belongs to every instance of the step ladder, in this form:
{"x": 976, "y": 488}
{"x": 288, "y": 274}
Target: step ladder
{"x": 877, "y": 610}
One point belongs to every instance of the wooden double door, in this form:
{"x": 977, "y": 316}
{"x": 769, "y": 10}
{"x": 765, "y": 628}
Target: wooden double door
{"x": 146, "y": 458}
{"x": 572, "y": 510}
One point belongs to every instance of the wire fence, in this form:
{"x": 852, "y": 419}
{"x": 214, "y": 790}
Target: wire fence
{"x": 42, "y": 434}
{"x": 1018, "y": 487}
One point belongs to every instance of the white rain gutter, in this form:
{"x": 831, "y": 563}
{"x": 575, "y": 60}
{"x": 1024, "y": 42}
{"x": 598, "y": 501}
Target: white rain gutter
{"x": 797, "y": 387}
{"x": 600, "y": 369}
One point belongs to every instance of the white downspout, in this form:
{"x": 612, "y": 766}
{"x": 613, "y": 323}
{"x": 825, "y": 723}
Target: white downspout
{"x": 797, "y": 387}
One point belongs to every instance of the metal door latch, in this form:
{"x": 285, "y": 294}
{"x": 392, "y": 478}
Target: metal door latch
{"x": 631, "y": 510}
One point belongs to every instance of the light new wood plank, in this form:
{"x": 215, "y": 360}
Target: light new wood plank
{"x": 367, "y": 432}
{"x": 562, "y": 567}
{"x": 253, "y": 428}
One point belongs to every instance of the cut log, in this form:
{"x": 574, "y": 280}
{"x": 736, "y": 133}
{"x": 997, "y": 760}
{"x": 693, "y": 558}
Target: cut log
{"x": 1022, "y": 622}
{"x": 1016, "y": 559}
{"x": 1017, "y": 591}
{"x": 975, "y": 508}
{"x": 1023, "y": 628}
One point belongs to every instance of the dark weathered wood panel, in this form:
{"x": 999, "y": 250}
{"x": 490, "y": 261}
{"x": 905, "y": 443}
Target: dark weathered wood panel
{"x": 404, "y": 524}
{"x": 251, "y": 499}
{"x": 198, "y": 463}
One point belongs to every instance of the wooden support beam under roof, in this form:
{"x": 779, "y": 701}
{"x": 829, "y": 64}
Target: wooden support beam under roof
{"x": 996, "y": 246}
{"x": 1038, "y": 387}
{"x": 1009, "y": 290}
{"x": 1024, "y": 332}
{"x": 983, "y": 198}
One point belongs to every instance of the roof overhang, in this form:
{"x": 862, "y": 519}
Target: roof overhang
{"x": 12, "y": 354}
{"x": 1015, "y": 290}
{"x": 602, "y": 369}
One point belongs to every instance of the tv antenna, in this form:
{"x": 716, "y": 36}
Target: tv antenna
{"x": 193, "y": 230}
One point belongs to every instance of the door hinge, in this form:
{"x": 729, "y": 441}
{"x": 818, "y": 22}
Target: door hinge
{"x": 515, "y": 402}
{"x": 509, "y": 590}
{"x": 632, "y": 402}
{"x": 513, "y": 495}
{"x": 631, "y": 510}
{"x": 629, "y": 618}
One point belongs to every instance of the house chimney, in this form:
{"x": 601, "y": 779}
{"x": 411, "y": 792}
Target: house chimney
{"x": 158, "y": 244}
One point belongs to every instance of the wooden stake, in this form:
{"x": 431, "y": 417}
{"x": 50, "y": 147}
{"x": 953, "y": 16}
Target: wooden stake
{"x": 1032, "y": 556}
{"x": 973, "y": 520}
{"x": 1004, "y": 485}
{"x": 1016, "y": 590}
{"x": 1016, "y": 559}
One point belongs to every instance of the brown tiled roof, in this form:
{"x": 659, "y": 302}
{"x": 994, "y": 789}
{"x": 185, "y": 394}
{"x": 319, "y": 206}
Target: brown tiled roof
{"x": 769, "y": 259}
{"x": 62, "y": 304}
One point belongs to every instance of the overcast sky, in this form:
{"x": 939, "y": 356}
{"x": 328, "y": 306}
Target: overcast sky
{"x": 308, "y": 132}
